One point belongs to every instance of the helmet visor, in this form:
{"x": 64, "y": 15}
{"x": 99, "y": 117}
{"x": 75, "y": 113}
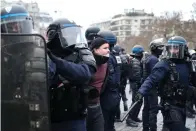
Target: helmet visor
{"x": 16, "y": 24}
{"x": 73, "y": 36}
{"x": 175, "y": 51}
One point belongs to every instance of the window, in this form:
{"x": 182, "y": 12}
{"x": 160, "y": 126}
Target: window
{"x": 114, "y": 28}
{"x": 127, "y": 22}
{"x": 116, "y": 33}
{"x": 128, "y": 32}
{"x": 121, "y": 33}
{"x": 142, "y": 22}
{"x": 150, "y": 21}
{"x": 127, "y": 27}
{"x": 116, "y": 23}
{"x": 112, "y": 23}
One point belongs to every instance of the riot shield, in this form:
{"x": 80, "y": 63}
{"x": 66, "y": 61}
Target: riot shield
{"x": 24, "y": 90}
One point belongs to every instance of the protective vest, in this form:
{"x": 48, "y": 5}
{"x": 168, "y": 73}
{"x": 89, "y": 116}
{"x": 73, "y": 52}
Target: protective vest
{"x": 68, "y": 98}
{"x": 135, "y": 70}
{"x": 171, "y": 89}
{"x": 145, "y": 72}
{"x": 114, "y": 72}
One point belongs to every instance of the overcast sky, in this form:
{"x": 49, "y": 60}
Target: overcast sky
{"x": 85, "y": 12}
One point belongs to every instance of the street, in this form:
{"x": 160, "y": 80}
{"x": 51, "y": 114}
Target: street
{"x": 123, "y": 127}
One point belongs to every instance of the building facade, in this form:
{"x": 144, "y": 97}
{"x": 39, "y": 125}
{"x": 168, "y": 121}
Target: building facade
{"x": 41, "y": 20}
{"x": 131, "y": 22}
{"x": 104, "y": 25}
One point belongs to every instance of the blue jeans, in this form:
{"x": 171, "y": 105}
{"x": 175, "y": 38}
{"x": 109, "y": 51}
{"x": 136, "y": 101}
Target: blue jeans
{"x": 74, "y": 125}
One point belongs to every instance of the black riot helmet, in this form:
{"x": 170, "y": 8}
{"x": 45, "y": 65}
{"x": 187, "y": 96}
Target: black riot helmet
{"x": 156, "y": 46}
{"x": 118, "y": 49}
{"x": 109, "y": 36}
{"x": 91, "y": 34}
{"x": 63, "y": 33}
{"x": 15, "y": 19}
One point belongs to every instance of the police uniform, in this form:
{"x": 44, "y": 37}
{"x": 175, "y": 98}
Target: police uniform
{"x": 173, "y": 75}
{"x": 150, "y": 110}
{"x": 135, "y": 77}
{"x": 71, "y": 67}
{"x": 123, "y": 61}
{"x": 23, "y": 82}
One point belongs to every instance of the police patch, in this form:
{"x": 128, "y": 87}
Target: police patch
{"x": 118, "y": 59}
{"x": 193, "y": 65}
{"x": 8, "y": 9}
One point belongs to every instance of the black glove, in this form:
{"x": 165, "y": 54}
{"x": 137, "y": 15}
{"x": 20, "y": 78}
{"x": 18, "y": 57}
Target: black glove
{"x": 138, "y": 96}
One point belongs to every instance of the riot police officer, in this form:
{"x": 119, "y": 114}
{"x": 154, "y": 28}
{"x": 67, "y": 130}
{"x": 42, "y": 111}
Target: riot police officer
{"x": 71, "y": 67}
{"x": 20, "y": 22}
{"x": 135, "y": 77}
{"x": 193, "y": 59}
{"x": 123, "y": 79}
{"x": 191, "y": 93}
{"x": 172, "y": 73}
{"x": 110, "y": 95}
{"x": 150, "y": 110}
{"x": 24, "y": 85}
{"x": 91, "y": 34}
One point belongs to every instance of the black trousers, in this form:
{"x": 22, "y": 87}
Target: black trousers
{"x": 134, "y": 113}
{"x": 174, "y": 118}
{"x": 150, "y": 110}
{"x": 74, "y": 125}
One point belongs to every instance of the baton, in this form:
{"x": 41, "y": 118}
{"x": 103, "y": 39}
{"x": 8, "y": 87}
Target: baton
{"x": 130, "y": 109}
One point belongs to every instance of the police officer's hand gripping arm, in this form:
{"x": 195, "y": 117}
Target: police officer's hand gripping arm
{"x": 66, "y": 38}
{"x": 158, "y": 73}
{"x": 77, "y": 72}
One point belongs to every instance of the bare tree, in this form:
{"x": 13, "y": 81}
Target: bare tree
{"x": 167, "y": 25}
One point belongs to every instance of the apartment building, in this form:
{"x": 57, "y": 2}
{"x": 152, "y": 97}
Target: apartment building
{"x": 130, "y": 22}
{"x": 104, "y": 25}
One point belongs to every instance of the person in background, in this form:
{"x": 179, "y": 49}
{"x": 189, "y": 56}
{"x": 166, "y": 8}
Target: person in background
{"x": 135, "y": 77}
{"x": 150, "y": 110}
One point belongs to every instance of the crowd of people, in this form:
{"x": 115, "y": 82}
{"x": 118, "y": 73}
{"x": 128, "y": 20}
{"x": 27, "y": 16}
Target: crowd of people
{"x": 88, "y": 74}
